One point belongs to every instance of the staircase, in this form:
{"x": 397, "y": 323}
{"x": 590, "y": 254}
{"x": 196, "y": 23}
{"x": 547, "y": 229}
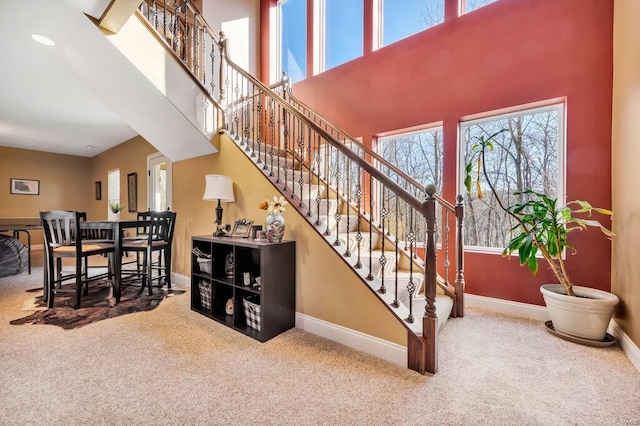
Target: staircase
{"x": 394, "y": 234}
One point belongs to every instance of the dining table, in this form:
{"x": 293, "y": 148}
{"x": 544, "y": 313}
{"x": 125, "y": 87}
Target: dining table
{"x": 117, "y": 228}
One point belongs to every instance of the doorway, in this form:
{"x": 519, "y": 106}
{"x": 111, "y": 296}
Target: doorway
{"x": 158, "y": 182}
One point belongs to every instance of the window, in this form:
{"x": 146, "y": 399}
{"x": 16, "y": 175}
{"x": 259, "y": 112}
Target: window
{"x": 419, "y": 155}
{"x": 113, "y": 187}
{"x": 471, "y": 5}
{"x": 343, "y": 36}
{"x": 413, "y": 17}
{"x": 293, "y": 38}
{"x": 528, "y": 155}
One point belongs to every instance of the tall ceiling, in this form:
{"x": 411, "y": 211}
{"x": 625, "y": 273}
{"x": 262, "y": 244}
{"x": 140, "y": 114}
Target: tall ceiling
{"x": 42, "y": 106}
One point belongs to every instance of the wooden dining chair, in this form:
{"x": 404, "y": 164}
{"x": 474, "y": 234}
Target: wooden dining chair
{"x": 158, "y": 241}
{"x": 63, "y": 239}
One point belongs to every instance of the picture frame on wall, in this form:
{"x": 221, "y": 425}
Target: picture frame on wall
{"x": 132, "y": 191}
{"x": 98, "y": 188}
{"x": 24, "y": 186}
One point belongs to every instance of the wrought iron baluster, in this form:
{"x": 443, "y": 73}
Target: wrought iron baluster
{"x": 338, "y": 215}
{"x": 411, "y": 287}
{"x": 384, "y": 213}
{"x": 370, "y": 276}
{"x": 396, "y": 302}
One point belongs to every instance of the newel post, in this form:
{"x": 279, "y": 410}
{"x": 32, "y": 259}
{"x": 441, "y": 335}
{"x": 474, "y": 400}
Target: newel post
{"x": 430, "y": 320}
{"x": 459, "y": 283}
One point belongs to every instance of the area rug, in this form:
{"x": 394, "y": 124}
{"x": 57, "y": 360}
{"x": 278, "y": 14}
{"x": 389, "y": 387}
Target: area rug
{"x": 98, "y": 305}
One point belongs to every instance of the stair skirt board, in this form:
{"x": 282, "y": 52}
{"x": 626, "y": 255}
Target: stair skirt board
{"x": 281, "y": 170}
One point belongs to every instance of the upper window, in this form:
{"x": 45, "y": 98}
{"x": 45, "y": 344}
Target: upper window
{"x": 293, "y": 38}
{"x": 343, "y": 31}
{"x": 529, "y": 154}
{"x": 413, "y": 17}
{"x": 471, "y": 5}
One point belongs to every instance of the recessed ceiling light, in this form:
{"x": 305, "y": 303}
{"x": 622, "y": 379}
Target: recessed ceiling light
{"x": 43, "y": 40}
{"x": 90, "y": 146}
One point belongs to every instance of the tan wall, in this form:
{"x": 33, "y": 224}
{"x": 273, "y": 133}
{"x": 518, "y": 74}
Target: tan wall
{"x": 129, "y": 157}
{"x": 65, "y": 183}
{"x": 626, "y": 174}
{"x": 325, "y": 287}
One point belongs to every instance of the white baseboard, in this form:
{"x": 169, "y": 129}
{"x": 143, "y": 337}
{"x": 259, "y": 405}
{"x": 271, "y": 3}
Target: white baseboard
{"x": 397, "y": 354}
{"x": 627, "y": 345}
{"x": 507, "y": 307}
{"x": 180, "y": 280}
{"x": 375, "y": 346}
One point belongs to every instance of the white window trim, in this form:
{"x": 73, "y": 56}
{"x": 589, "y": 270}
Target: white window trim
{"x": 522, "y": 110}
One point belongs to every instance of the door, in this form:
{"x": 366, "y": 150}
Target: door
{"x": 158, "y": 182}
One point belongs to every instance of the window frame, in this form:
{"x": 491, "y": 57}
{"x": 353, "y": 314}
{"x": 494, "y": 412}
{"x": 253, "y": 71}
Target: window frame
{"x": 529, "y": 109}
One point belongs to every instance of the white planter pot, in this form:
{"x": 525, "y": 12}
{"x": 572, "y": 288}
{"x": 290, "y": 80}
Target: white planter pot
{"x": 586, "y": 316}
{"x": 113, "y": 217}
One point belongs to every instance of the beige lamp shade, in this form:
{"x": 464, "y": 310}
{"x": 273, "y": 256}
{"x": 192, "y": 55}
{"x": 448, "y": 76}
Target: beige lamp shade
{"x": 218, "y": 188}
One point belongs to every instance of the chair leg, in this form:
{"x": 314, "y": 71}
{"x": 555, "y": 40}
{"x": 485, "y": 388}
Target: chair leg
{"x": 167, "y": 266}
{"x": 79, "y": 275}
{"x": 50, "y": 284}
{"x": 149, "y": 265}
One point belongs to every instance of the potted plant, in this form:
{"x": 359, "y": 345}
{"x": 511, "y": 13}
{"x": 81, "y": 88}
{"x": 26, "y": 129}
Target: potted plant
{"x": 541, "y": 229}
{"x": 114, "y": 211}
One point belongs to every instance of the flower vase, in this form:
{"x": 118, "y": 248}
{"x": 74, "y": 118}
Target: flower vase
{"x": 274, "y": 226}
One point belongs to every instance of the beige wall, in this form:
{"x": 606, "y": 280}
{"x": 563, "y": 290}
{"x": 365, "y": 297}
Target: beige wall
{"x": 129, "y": 157}
{"x": 325, "y": 286}
{"x": 626, "y": 174}
{"x": 65, "y": 183}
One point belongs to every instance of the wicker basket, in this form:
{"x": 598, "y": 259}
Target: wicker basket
{"x": 252, "y": 311}
{"x": 206, "y": 295}
{"x": 204, "y": 264}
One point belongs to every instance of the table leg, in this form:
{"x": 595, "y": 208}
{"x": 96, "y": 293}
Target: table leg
{"x": 117, "y": 264}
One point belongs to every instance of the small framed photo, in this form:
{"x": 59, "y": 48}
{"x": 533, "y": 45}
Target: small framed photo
{"x": 25, "y": 186}
{"x": 242, "y": 228}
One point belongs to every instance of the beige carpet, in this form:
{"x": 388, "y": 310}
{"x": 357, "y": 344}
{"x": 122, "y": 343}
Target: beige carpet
{"x": 171, "y": 366}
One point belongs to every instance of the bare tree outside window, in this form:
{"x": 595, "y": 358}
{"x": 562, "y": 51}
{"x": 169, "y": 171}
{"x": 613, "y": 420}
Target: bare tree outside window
{"x": 528, "y": 158}
{"x": 419, "y": 155}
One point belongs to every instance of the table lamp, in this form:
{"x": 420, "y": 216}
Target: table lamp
{"x": 219, "y": 188}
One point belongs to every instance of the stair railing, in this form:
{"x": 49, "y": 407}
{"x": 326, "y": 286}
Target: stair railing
{"x": 328, "y": 177}
{"x": 449, "y": 211}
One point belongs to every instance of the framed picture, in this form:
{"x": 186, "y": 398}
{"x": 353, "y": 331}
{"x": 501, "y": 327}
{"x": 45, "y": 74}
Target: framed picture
{"x": 132, "y": 188}
{"x": 25, "y": 186}
{"x": 98, "y": 190}
{"x": 242, "y": 228}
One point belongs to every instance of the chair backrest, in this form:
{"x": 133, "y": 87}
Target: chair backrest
{"x": 60, "y": 228}
{"x": 162, "y": 225}
{"x": 143, "y": 230}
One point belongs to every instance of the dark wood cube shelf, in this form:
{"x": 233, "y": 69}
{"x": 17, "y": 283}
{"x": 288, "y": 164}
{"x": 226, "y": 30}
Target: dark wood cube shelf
{"x": 231, "y": 274}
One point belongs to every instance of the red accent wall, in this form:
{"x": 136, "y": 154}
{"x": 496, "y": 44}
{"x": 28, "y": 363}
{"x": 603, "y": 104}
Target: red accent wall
{"x": 509, "y": 53}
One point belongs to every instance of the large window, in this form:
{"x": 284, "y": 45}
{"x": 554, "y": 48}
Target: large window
{"x": 413, "y": 17}
{"x": 418, "y": 154}
{"x": 293, "y": 38}
{"x": 343, "y": 31}
{"x": 529, "y": 154}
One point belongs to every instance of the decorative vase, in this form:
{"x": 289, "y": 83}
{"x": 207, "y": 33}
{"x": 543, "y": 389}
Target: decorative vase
{"x": 585, "y": 315}
{"x": 113, "y": 217}
{"x": 274, "y": 226}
